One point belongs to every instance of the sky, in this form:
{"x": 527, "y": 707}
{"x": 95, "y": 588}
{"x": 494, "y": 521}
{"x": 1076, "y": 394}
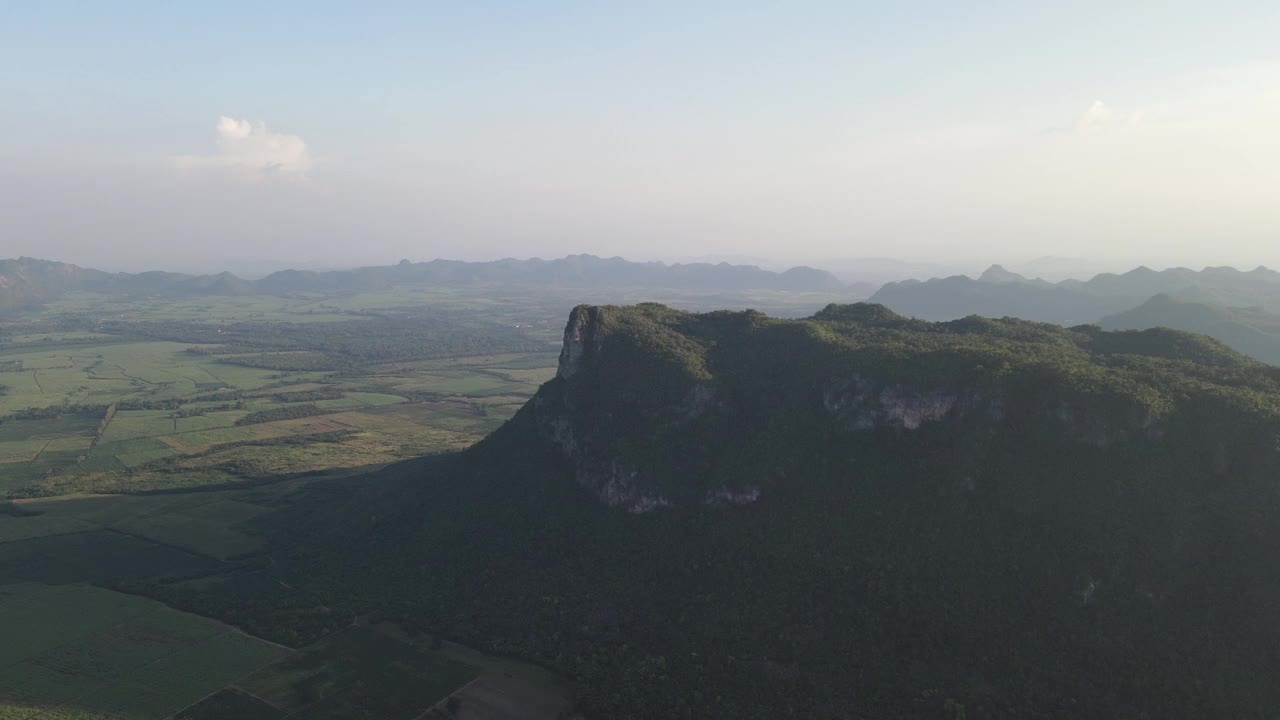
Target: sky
{"x": 201, "y": 136}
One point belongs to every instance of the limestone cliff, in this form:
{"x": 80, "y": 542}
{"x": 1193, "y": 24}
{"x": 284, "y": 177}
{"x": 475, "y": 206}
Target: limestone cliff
{"x": 654, "y": 407}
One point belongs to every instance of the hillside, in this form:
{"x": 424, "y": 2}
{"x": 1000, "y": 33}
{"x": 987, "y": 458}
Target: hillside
{"x": 27, "y": 282}
{"x": 852, "y": 515}
{"x": 1250, "y": 330}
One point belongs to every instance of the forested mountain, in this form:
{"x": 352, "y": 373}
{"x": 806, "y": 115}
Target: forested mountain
{"x": 1251, "y": 330}
{"x": 27, "y": 282}
{"x": 998, "y": 293}
{"x": 852, "y": 515}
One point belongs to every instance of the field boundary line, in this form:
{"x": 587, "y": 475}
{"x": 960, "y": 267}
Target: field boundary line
{"x": 161, "y": 543}
{"x": 445, "y": 699}
{"x": 229, "y": 686}
{"x": 41, "y": 451}
{"x": 41, "y": 537}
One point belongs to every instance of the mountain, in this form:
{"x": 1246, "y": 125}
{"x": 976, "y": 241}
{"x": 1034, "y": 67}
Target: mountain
{"x": 577, "y": 271}
{"x": 1250, "y": 330}
{"x": 879, "y": 270}
{"x": 998, "y": 274}
{"x": 27, "y": 282}
{"x": 855, "y": 514}
{"x": 1062, "y": 268}
{"x": 959, "y": 296}
{"x": 1000, "y": 293}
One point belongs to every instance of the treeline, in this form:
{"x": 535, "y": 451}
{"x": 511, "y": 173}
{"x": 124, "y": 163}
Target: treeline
{"x": 103, "y": 424}
{"x": 281, "y": 413}
{"x": 308, "y": 396}
{"x": 300, "y": 361}
{"x": 372, "y": 338}
{"x": 53, "y": 412}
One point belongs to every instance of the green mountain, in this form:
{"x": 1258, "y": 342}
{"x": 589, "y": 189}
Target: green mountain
{"x": 1250, "y": 330}
{"x": 860, "y": 515}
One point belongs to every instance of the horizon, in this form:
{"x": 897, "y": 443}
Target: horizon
{"x": 760, "y": 263}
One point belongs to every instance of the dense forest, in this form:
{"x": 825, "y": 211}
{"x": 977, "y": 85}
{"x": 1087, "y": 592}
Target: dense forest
{"x": 855, "y": 515}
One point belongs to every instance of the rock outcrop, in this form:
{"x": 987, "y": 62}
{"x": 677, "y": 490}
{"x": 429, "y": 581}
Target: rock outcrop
{"x": 653, "y": 407}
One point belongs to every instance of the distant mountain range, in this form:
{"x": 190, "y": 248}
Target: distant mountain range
{"x": 1240, "y": 308}
{"x": 1252, "y": 330}
{"x": 28, "y": 282}
{"x": 999, "y": 293}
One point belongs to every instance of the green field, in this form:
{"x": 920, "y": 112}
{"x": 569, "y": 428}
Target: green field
{"x": 208, "y": 525}
{"x": 79, "y": 652}
{"x": 358, "y": 673}
{"x": 180, "y": 415}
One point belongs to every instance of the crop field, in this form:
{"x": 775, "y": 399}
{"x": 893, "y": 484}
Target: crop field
{"x": 190, "y": 419}
{"x": 206, "y": 524}
{"x": 77, "y": 652}
{"x": 358, "y": 673}
{"x": 80, "y": 652}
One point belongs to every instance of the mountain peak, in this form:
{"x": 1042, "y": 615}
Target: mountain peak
{"x": 998, "y": 274}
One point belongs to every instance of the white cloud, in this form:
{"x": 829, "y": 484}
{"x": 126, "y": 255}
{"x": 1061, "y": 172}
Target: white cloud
{"x": 1098, "y": 115}
{"x": 251, "y": 147}
{"x": 1101, "y": 116}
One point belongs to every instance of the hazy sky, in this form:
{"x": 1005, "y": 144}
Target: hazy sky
{"x": 137, "y": 134}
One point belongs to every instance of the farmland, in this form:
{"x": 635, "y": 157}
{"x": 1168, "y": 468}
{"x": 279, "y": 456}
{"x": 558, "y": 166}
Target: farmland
{"x": 114, "y": 414}
{"x": 109, "y": 396}
{"x": 76, "y": 652}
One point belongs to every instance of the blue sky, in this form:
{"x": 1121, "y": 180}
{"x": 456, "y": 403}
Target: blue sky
{"x": 793, "y": 130}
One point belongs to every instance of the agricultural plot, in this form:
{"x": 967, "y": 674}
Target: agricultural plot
{"x": 358, "y": 673}
{"x": 208, "y": 524}
{"x": 84, "y": 653}
{"x": 181, "y": 418}
{"x": 94, "y": 556}
{"x": 231, "y": 703}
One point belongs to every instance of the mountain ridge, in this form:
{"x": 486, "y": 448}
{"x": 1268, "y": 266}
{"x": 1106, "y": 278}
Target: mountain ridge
{"x": 1000, "y": 293}
{"x": 27, "y": 282}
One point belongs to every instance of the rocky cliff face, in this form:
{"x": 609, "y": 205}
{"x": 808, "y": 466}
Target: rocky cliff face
{"x": 654, "y": 407}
